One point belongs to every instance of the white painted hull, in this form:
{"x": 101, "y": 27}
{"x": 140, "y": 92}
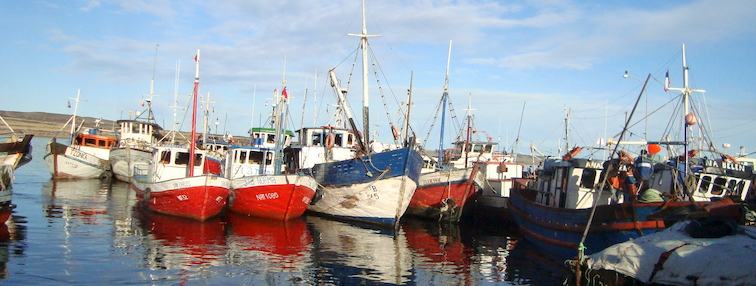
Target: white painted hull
{"x": 375, "y": 202}
{"x": 76, "y": 163}
{"x": 123, "y": 160}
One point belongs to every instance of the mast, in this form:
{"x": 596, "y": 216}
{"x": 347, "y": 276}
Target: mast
{"x": 468, "y": 144}
{"x": 76, "y": 107}
{"x": 365, "y": 98}
{"x": 444, "y": 97}
{"x": 280, "y": 111}
{"x": 192, "y": 143}
{"x": 405, "y": 136}
{"x": 175, "y": 100}
{"x": 686, "y": 105}
{"x": 150, "y": 116}
{"x": 342, "y": 102}
{"x": 205, "y": 117}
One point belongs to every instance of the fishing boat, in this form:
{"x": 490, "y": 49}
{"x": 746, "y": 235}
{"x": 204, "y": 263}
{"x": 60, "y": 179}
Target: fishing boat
{"x": 355, "y": 182}
{"x": 168, "y": 184}
{"x": 136, "y": 138}
{"x": 85, "y": 157}
{"x": 580, "y": 206}
{"x": 261, "y": 185}
{"x": 443, "y": 192}
{"x": 15, "y": 149}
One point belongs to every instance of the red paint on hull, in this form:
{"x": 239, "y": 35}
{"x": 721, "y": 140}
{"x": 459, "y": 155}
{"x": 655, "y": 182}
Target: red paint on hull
{"x": 280, "y": 202}
{"x": 289, "y": 238}
{"x": 200, "y": 202}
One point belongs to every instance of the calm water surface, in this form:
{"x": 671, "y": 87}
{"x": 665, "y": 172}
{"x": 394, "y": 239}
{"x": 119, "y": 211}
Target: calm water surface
{"x": 89, "y": 232}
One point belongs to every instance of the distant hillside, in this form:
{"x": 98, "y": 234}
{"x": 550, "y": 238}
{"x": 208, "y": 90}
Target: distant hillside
{"x": 43, "y": 124}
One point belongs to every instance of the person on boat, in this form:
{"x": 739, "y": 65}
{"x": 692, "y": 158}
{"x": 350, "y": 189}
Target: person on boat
{"x": 629, "y": 187}
{"x": 645, "y": 169}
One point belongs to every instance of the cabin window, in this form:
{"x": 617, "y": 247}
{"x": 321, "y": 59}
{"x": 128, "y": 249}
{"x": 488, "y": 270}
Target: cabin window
{"x": 268, "y": 158}
{"x": 705, "y": 184}
{"x": 740, "y": 188}
{"x": 135, "y": 128}
{"x": 241, "y": 157}
{"x": 165, "y": 157}
{"x": 338, "y": 139}
{"x": 487, "y": 148}
{"x": 731, "y": 186}
{"x": 477, "y": 148}
{"x": 316, "y": 138}
{"x": 588, "y": 178}
{"x": 255, "y": 157}
{"x": 271, "y": 138}
{"x": 350, "y": 140}
{"x": 182, "y": 159}
{"x": 719, "y": 185}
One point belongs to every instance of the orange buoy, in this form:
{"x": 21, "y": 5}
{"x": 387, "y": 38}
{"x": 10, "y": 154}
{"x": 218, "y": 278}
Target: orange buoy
{"x": 692, "y": 153}
{"x": 654, "y": 148}
{"x": 572, "y": 153}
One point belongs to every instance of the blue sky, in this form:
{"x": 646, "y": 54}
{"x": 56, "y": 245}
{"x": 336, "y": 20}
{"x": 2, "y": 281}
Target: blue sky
{"x": 547, "y": 56}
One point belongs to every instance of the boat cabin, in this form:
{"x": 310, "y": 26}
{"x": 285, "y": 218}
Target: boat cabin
{"x": 169, "y": 163}
{"x": 266, "y": 137}
{"x": 244, "y": 161}
{"x": 570, "y": 184}
{"x": 714, "y": 178}
{"x": 132, "y": 131}
{"x": 478, "y": 151}
{"x": 95, "y": 141}
{"x": 317, "y": 145}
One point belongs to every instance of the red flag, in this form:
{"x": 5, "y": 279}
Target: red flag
{"x": 285, "y": 93}
{"x": 69, "y": 104}
{"x": 195, "y": 58}
{"x": 666, "y": 82}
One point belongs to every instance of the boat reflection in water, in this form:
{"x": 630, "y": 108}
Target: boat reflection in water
{"x": 439, "y": 252}
{"x": 84, "y": 200}
{"x": 348, "y": 254}
{"x": 181, "y": 243}
{"x": 276, "y": 251}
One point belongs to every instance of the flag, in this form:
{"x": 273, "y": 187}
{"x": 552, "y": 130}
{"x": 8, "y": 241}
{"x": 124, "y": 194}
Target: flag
{"x": 69, "y": 104}
{"x": 285, "y": 93}
{"x": 195, "y": 57}
{"x": 666, "y": 81}
{"x": 142, "y": 102}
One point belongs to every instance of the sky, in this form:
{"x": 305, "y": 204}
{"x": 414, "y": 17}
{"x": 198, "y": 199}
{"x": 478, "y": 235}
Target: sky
{"x": 521, "y": 66}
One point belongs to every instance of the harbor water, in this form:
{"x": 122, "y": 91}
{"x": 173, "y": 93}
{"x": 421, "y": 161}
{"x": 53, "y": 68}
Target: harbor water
{"x": 90, "y": 232}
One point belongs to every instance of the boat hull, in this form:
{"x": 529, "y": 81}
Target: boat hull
{"x": 16, "y": 152}
{"x": 123, "y": 160}
{"x": 442, "y": 195}
{"x": 6, "y": 192}
{"x": 67, "y": 162}
{"x": 280, "y": 197}
{"x": 373, "y": 189}
{"x": 560, "y": 230}
{"x": 198, "y": 197}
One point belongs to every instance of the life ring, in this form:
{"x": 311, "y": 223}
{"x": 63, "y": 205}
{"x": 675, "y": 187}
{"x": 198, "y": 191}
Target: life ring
{"x": 730, "y": 158}
{"x": 329, "y": 141}
{"x": 624, "y": 157}
{"x": 232, "y": 140}
{"x": 572, "y": 153}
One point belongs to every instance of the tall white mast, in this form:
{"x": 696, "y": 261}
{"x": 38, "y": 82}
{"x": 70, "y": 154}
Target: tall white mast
{"x": 76, "y": 107}
{"x": 686, "y": 103}
{"x": 365, "y": 98}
